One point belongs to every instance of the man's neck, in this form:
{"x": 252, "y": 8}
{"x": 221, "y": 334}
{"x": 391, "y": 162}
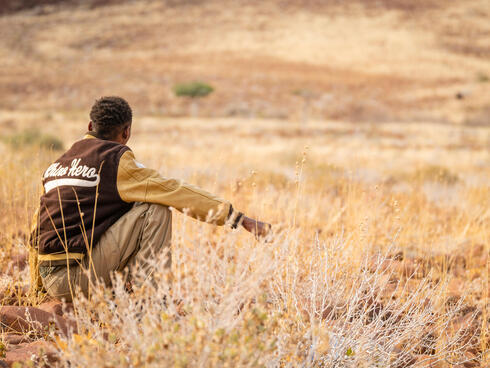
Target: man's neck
{"x": 94, "y": 134}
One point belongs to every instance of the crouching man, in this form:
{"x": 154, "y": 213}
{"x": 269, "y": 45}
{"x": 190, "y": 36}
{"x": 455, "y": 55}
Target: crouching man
{"x": 102, "y": 211}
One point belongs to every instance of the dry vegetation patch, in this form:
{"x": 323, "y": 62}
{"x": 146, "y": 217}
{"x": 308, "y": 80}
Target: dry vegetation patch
{"x": 380, "y": 256}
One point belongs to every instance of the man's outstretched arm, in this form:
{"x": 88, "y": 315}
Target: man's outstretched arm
{"x": 136, "y": 183}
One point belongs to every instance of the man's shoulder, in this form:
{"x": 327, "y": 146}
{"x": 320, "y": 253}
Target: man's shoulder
{"x": 93, "y": 150}
{"x": 95, "y": 144}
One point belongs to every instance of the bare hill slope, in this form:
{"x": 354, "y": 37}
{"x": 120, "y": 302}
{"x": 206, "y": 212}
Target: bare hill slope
{"x": 370, "y": 60}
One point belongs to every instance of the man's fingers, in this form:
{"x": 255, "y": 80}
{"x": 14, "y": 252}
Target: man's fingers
{"x": 263, "y": 230}
{"x": 267, "y": 235}
{"x": 258, "y": 228}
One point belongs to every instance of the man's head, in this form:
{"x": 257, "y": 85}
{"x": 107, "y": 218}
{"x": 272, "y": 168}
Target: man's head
{"x": 110, "y": 119}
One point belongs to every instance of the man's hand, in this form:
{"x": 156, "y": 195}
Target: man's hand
{"x": 256, "y": 227}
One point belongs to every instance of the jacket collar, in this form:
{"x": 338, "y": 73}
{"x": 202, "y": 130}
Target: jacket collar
{"x": 89, "y": 135}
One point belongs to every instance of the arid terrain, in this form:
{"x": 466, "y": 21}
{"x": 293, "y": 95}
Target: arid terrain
{"x": 361, "y": 131}
{"x": 368, "y": 60}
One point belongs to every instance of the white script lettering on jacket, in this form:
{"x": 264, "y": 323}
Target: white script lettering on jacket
{"x": 81, "y": 175}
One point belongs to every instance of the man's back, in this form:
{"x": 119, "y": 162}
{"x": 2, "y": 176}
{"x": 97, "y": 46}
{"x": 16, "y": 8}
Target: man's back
{"x": 81, "y": 200}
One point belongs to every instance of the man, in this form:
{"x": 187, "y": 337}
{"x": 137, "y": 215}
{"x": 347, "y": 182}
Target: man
{"x": 102, "y": 211}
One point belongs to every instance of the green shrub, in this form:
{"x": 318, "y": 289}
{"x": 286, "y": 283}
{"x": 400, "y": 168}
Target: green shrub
{"x": 193, "y": 89}
{"x": 51, "y": 142}
{"x": 482, "y": 77}
{"x": 480, "y": 117}
{"x": 436, "y": 173}
{"x": 32, "y": 137}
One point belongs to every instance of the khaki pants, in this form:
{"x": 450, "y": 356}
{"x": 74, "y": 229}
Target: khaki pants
{"x": 140, "y": 235}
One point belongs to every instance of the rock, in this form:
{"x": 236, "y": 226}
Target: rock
{"x": 478, "y": 250}
{"x": 380, "y": 267}
{"x": 398, "y": 256}
{"x": 428, "y": 361}
{"x": 427, "y": 344}
{"x": 406, "y": 268}
{"x": 13, "y": 295}
{"x": 403, "y": 361}
{"x": 23, "y": 319}
{"x": 14, "y": 339}
{"x": 54, "y": 306}
{"x": 468, "y": 360}
{"x": 455, "y": 286}
{"x": 41, "y": 353}
{"x": 471, "y": 360}
{"x": 331, "y": 312}
{"x": 468, "y": 327}
{"x": 19, "y": 261}
{"x": 460, "y": 95}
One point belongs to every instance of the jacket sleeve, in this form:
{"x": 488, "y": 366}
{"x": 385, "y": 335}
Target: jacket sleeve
{"x": 136, "y": 183}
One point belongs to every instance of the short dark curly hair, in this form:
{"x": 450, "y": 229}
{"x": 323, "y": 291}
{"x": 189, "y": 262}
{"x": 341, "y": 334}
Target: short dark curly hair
{"x": 110, "y": 115}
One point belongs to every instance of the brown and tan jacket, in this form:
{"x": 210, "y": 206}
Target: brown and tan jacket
{"x": 93, "y": 184}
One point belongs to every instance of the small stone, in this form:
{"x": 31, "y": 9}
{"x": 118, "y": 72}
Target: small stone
{"x": 14, "y": 339}
{"x": 53, "y": 306}
{"x": 23, "y": 319}
{"x": 35, "y": 351}
{"x": 19, "y": 261}
{"x": 455, "y": 286}
{"x": 428, "y": 361}
{"x": 468, "y": 360}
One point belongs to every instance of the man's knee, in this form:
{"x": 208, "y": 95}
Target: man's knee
{"x": 160, "y": 212}
{"x": 156, "y": 235}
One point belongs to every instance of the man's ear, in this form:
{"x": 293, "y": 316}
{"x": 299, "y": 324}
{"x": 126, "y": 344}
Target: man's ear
{"x": 126, "y": 132}
{"x": 90, "y": 126}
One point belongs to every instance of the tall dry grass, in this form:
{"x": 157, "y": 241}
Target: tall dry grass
{"x": 379, "y": 255}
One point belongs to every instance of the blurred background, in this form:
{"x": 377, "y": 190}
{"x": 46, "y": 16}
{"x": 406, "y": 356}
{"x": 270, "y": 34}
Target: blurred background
{"x": 360, "y": 61}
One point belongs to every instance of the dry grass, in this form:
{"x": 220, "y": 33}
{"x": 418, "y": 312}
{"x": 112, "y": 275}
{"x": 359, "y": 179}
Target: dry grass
{"x": 380, "y": 256}
{"x": 381, "y": 250}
